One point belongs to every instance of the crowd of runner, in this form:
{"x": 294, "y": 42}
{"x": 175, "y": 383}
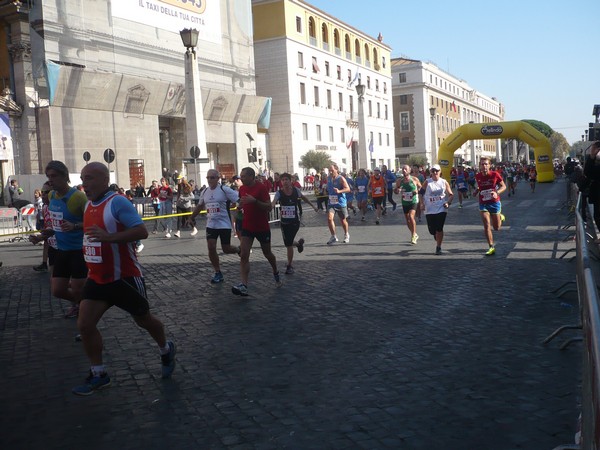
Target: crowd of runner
{"x": 92, "y": 233}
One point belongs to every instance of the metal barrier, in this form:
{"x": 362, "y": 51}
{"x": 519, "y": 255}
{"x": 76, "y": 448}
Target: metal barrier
{"x": 145, "y": 209}
{"x": 14, "y": 227}
{"x": 589, "y": 307}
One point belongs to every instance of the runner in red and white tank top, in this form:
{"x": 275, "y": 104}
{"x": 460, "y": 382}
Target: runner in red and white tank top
{"x": 109, "y": 261}
{"x": 111, "y": 226}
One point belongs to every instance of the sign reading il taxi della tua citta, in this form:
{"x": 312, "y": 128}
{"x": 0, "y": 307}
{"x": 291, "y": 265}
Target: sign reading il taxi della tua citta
{"x": 174, "y": 15}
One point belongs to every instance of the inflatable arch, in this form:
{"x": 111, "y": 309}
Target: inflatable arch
{"x": 542, "y": 149}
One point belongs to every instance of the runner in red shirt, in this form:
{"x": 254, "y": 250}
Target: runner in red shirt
{"x": 256, "y": 203}
{"x": 489, "y": 186}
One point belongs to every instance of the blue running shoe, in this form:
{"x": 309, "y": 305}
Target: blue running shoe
{"x": 217, "y": 278}
{"x": 277, "y": 279}
{"x": 168, "y": 360}
{"x": 92, "y": 383}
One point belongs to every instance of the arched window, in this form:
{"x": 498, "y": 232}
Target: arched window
{"x": 367, "y": 56}
{"x": 312, "y": 31}
{"x": 376, "y": 59}
{"x": 336, "y": 42}
{"x": 357, "y": 50}
{"x": 325, "y": 36}
{"x": 347, "y": 47}
{"x": 312, "y": 28}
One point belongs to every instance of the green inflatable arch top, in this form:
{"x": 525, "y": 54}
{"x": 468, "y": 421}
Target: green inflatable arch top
{"x": 542, "y": 149}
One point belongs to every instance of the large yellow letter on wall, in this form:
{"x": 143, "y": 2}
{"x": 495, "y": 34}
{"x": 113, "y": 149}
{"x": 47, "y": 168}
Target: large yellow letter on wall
{"x": 542, "y": 149}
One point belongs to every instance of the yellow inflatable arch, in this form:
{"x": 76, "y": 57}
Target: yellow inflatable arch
{"x": 542, "y": 149}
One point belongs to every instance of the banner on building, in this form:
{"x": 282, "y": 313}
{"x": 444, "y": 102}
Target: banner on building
{"x": 173, "y": 15}
{"x": 6, "y": 150}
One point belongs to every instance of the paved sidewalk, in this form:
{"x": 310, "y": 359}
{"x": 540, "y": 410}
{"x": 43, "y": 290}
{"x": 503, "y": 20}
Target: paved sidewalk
{"x": 371, "y": 344}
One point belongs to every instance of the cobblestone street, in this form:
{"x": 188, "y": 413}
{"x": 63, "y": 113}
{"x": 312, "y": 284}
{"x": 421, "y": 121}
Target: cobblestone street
{"x": 372, "y": 344}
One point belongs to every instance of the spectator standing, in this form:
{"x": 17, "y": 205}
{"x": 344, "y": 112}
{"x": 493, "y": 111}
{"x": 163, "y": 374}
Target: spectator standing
{"x": 591, "y": 170}
{"x": 165, "y": 199}
{"x": 184, "y": 203}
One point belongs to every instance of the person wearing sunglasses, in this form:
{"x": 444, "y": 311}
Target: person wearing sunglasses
{"x": 216, "y": 199}
{"x": 436, "y": 198}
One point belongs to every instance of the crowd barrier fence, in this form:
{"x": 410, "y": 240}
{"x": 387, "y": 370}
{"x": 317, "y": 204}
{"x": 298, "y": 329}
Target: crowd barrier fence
{"x": 588, "y": 437}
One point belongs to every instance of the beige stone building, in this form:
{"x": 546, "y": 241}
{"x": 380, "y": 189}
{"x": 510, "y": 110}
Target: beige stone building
{"x": 429, "y": 104}
{"x": 310, "y": 62}
{"x": 96, "y": 75}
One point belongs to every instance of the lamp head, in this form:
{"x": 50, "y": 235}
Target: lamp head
{"x": 360, "y": 88}
{"x": 189, "y": 37}
{"x": 249, "y": 136}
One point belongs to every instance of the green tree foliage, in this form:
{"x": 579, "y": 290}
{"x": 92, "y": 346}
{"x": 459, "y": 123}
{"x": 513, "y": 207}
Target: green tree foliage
{"x": 560, "y": 146}
{"x": 542, "y": 127}
{"x": 419, "y": 160}
{"x": 313, "y": 159}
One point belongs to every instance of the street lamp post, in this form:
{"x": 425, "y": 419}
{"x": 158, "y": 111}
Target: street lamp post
{"x": 194, "y": 116}
{"x": 432, "y": 112}
{"x": 252, "y": 157}
{"x": 363, "y": 160}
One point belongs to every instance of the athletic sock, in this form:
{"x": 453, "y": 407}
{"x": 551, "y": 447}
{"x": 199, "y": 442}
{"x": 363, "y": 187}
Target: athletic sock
{"x": 98, "y": 370}
{"x": 164, "y": 350}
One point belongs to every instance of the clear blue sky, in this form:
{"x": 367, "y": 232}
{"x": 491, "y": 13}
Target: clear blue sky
{"x": 540, "y": 58}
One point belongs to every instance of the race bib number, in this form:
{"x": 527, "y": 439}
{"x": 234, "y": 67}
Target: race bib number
{"x": 462, "y": 185}
{"x": 377, "y": 190}
{"x": 435, "y": 199}
{"x": 92, "y": 250}
{"x": 486, "y": 195}
{"x": 333, "y": 199}
{"x": 361, "y": 188}
{"x": 213, "y": 208}
{"x": 407, "y": 196}
{"x": 57, "y": 220}
{"x": 288, "y": 212}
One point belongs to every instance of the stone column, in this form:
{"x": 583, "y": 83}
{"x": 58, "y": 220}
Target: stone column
{"x": 25, "y": 133}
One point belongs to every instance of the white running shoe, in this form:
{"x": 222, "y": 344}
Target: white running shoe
{"x": 177, "y": 234}
{"x": 139, "y": 248}
{"x": 332, "y": 240}
{"x": 194, "y": 232}
{"x": 168, "y": 235}
{"x": 346, "y": 238}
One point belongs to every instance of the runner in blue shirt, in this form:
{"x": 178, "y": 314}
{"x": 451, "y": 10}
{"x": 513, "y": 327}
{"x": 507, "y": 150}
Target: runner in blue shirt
{"x": 337, "y": 187}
